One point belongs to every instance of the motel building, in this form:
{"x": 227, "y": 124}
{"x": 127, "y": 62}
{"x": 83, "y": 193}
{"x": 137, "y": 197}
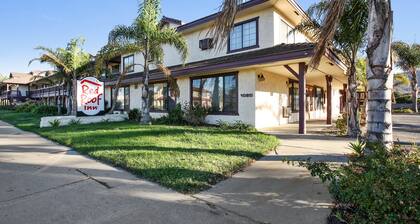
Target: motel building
{"x": 260, "y": 77}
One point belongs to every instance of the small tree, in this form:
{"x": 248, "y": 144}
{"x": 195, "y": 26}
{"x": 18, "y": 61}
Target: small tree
{"x": 72, "y": 62}
{"x": 147, "y": 36}
{"x": 408, "y": 58}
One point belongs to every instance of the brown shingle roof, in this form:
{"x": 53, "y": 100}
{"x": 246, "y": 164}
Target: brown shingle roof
{"x": 25, "y": 78}
{"x": 267, "y": 55}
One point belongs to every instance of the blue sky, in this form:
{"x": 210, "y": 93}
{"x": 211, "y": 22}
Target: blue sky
{"x": 26, "y": 24}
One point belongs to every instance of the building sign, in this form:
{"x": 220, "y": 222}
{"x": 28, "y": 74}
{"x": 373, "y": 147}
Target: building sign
{"x": 90, "y": 97}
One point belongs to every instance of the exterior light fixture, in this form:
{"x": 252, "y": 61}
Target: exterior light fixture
{"x": 261, "y": 78}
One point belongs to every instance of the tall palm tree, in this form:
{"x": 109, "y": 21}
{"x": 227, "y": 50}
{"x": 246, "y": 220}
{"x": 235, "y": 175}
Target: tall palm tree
{"x": 147, "y": 36}
{"x": 380, "y": 21}
{"x": 72, "y": 62}
{"x": 408, "y": 58}
{"x": 347, "y": 42}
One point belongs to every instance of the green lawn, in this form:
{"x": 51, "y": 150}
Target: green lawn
{"x": 186, "y": 159}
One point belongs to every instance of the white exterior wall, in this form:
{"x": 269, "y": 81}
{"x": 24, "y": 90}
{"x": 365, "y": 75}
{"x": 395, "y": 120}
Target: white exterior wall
{"x": 266, "y": 39}
{"x": 271, "y": 96}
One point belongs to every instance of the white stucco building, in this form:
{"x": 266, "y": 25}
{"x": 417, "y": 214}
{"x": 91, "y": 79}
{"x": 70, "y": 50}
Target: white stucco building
{"x": 260, "y": 77}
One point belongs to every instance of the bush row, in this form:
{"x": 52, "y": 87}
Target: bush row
{"x": 39, "y": 109}
{"x": 377, "y": 186}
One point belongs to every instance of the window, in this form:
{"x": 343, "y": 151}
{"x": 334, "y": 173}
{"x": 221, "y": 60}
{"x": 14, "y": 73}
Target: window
{"x": 289, "y": 36}
{"x": 219, "y": 93}
{"x": 158, "y": 94}
{"x": 315, "y": 98}
{"x": 115, "y": 69}
{"x": 244, "y": 36}
{"x": 294, "y": 95}
{"x": 319, "y": 98}
{"x": 128, "y": 63}
{"x": 123, "y": 99}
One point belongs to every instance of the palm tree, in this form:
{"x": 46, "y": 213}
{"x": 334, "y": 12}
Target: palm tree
{"x": 147, "y": 36}
{"x": 380, "y": 21}
{"x": 408, "y": 58}
{"x": 72, "y": 63}
{"x": 347, "y": 42}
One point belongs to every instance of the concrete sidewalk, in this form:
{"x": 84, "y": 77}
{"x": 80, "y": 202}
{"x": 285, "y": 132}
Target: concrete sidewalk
{"x": 271, "y": 191}
{"x": 42, "y": 182}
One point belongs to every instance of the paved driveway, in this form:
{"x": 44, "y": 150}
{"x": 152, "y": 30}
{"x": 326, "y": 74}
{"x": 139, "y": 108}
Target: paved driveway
{"x": 407, "y": 128}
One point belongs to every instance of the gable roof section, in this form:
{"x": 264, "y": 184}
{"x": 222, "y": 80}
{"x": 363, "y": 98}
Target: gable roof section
{"x": 19, "y": 78}
{"x": 211, "y": 17}
{"x": 277, "y": 53}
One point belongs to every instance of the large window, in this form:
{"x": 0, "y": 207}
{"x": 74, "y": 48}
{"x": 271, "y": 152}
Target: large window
{"x": 219, "y": 93}
{"x": 128, "y": 63}
{"x": 158, "y": 94}
{"x": 123, "y": 99}
{"x": 244, "y": 36}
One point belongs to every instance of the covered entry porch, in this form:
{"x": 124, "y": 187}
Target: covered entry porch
{"x": 290, "y": 93}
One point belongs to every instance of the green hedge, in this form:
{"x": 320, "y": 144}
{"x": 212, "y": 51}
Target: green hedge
{"x": 377, "y": 186}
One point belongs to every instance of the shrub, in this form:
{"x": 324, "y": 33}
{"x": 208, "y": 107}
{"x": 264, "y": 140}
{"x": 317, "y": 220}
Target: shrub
{"x": 175, "y": 116}
{"x": 341, "y": 125}
{"x": 55, "y": 123}
{"x": 75, "y": 122}
{"x": 380, "y": 186}
{"x": 403, "y": 99}
{"x": 134, "y": 115}
{"x": 26, "y": 107}
{"x": 404, "y": 111}
{"x": 195, "y": 114}
{"x": 45, "y": 110}
{"x": 236, "y": 126}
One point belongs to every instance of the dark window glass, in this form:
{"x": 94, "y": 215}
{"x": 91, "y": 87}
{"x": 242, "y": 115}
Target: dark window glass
{"x": 158, "y": 94}
{"x": 319, "y": 98}
{"x": 127, "y": 99}
{"x": 243, "y": 36}
{"x": 128, "y": 63}
{"x": 218, "y": 94}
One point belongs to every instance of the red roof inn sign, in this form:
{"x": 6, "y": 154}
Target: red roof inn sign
{"x": 90, "y": 97}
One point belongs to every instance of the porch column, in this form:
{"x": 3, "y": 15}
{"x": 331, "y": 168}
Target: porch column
{"x": 329, "y": 79}
{"x": 302, "y": 98}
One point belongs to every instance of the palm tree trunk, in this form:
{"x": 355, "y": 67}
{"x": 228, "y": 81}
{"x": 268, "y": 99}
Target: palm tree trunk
{"x": 73, "y": 96}
{"x": 353, "y": 127}
{"x": 115, "y": 92}
{"x": 146, "y": 119}
{"x": 379, "y": 76}
{"x": 69, "y": 93}
{"x": 415, "y": 91}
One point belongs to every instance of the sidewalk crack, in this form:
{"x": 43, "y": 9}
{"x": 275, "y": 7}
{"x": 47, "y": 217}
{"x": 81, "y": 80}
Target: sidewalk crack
{"x": 106, "y": 185}
{"x": 228, "y": 211}
{"x": 43, "y": 191}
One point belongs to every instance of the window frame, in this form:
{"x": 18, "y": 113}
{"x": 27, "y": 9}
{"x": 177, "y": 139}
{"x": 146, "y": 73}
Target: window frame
{"x": 166, "y": 109}
{"x": 314, "y": 107}
{"x": 257, "y": 42}
{"x": 124, "y": 65}
{"x": 235, "y": 74}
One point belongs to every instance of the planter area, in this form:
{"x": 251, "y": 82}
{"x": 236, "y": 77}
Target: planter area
{"x": 47, "y": 122}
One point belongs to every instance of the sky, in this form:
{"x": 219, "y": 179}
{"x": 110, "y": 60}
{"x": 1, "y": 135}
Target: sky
{"x": 26, "y": 24}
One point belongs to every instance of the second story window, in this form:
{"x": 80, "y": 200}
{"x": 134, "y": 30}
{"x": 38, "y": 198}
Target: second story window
{"x": 244, "y": 36}
{"x": 128, "y": 63}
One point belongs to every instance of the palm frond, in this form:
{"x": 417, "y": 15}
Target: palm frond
{"x": 122, "y": 34}
{"x": 328, "y": 28}
{"x": 224, "y": 23}
{"x": 172, "y": 37}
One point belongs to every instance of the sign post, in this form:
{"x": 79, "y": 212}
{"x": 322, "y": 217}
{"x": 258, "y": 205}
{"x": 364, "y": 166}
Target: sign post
{"x": 90, "y": 97}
